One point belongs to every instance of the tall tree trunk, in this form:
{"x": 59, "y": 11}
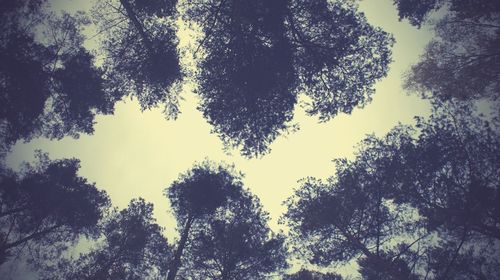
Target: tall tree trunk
{"x": 176, "y": 263}
{"x": 138, "y": 26}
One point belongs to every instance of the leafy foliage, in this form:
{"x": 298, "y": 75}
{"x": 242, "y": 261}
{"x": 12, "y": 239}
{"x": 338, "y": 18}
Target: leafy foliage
{"x": 196, "y": 196}
{"x": 133, "y": 247}
{"x": 304, "y": 274}
{"x": 409, "y": 204}
{"x": 417, "y": 12}
{"x": 260, "y": 54}
{"x": 46, "y": 205}
{"x": 49, "y": 84}
{"x": 140, "y": 49}
{"x": 236, "y": 243}
{"x": 201, "y": 190}
{"x": 461, "y": 62}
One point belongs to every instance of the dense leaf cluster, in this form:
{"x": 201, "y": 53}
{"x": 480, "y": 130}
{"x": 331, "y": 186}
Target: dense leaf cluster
{"x": 421, "y": 202}
{"x": 259, "y": 55}
{"x": 410, "y": 206}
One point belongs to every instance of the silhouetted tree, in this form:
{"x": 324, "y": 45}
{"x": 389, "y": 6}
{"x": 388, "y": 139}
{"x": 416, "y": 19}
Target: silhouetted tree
{"x": 236, "y": 243}
{"x": 131, "y": 246}
{"x": 260, "y": 54}
{"x": 411, "y": 204}
{"x": 140, "y": 49}
{"x": 196, "y": 196}
{"x": 450, "y": 173}
{"x": 462, "y": 61}
{"x": 49, "y": 84}
{"x": 417, "y": 12}
{"x": 46, "y": 205}
{"x": 305, "y": 274}
{"x": 348, "y": 219}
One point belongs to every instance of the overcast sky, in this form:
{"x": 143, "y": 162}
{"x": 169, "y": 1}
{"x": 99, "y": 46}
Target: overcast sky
{"x": 137, "y": 154}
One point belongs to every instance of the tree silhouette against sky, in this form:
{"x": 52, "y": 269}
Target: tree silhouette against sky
{"x": 46, "y": 207}
{"x": 50, "y": 86}
{"x": 259, "y": 55}
{"x": 413, "y": 206}
{"x": 420, "y": 202}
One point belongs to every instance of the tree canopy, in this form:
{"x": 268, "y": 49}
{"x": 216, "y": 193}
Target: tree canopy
{"x": 258, "y": 55}
{"x": 236, "y": 243}
{"x": 195, "y": 196}
{"x": 50, "y": 85}
{"x": 139, "y": 49}
{"x": 419, "y": 203}
{"x": 132, "y": 247}
{"x": 305, "y": 274}
{"x": 223, "y": 229}
{"x": 47, "y": 205}
{"x": 461, "y": 61}
{"x": 410, "y": 204}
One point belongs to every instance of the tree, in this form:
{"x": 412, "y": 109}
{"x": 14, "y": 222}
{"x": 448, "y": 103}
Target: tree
{"x": 417, "y": 12}
{"x": 47, "y": 206}
{"x": 140, "y": 49}
{"x": 451, "y": 173}
{"x": 131, "y": 246}
{"x": 195, "y": 196}
{"x": 236, "y": 243}
{"x": 305, "y": 274}
{"x": 258, "y": 55}
{"x": 414, "y": 205}
{"x": 462, "y": 60}
{"x": 49, "y": 84}
{"x": 341, "y": 221}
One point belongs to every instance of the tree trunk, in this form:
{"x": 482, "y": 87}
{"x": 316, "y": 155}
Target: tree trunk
{"x": 176, "y": 263}
{"x": 138, "y": 26}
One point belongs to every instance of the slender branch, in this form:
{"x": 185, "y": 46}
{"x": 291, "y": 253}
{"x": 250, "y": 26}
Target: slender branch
{"x": 208, "y": 33}
{"x": 29, "y": 237}
{"x": 138, "y": 26}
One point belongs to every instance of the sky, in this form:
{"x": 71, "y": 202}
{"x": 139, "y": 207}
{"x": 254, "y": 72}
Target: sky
{"x": 138, "y": 154}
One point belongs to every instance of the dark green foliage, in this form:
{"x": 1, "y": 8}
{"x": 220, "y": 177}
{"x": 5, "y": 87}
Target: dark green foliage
{"x": 131, "y": 246}
{"x": 195, "y": 197}
{"x": 304, "y": 274}
{"x": 201, "y": 190}
{"x": 462, "y": 61}
{"x": 236, "y": 243}
{"x": 260, "y": 54}
{"x": 24, "y": 87}
{"x": 448, "y": 174}
{"x": 417, "y": 11}
{"x": 140, "y": 49}
{"x": 49, "y": 84}
{"x": 223, "y": 229}
{"x": 47, "y": 204}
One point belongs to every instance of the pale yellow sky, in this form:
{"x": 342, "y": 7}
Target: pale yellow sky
{"x": 134, "y": 154}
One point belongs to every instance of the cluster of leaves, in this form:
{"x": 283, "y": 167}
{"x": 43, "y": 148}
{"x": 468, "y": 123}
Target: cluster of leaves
{"x": 132, "y": 246}
{"x": 223, "y": 229}
{"x": 411, "y": 205}
{"x": 462, "y": 60}
{"x": 258, "y": 55}
{"x": 139, "y": 50}
{"x": 49, "y": 83}
{"x": 49, "y": 86}
{"x": 47, "y": 208}
{"x": 304, "y": 274}
{"x": 47, "y": 205}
